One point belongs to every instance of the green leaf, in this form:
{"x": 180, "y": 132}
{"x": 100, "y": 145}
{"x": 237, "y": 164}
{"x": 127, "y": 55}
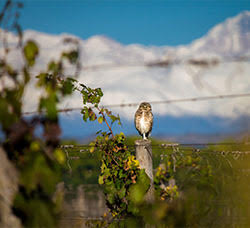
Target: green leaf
{"x": 100, "y": 180}
{"x": 111, "y": 198}
{"x": 30, "y": 52}
{"x": 138, "y": 190}
{"x": 67, "y": 87}
{"x": 92, "y": 144}
{"x": 92, "y": 116}
{"x": 49, "y": 104}
{"x": 122, "y": 193}
{"x": 99, "y": 92}
{"x": 85, "y": 113}
{"x": 98, "y": 132}
{"x": 72, "y": 56}
{"x": 121, "y": 137}
{"x": 133, "y": 208}
{"x": 52, "y": 66}
{"x": 41, "y": 79}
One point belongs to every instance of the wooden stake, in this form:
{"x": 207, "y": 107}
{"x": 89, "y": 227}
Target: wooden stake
{"x": 143, "y": 150}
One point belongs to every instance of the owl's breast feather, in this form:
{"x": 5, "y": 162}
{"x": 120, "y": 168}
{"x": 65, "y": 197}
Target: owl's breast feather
{"x": 143, "y": 124}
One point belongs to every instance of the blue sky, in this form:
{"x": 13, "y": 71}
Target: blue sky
{"x": 151, "y": 22}
{"x": 164, "y": 127}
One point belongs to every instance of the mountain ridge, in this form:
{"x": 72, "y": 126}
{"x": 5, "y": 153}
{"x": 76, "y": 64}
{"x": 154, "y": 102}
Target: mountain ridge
{"x": 132, "y": 82}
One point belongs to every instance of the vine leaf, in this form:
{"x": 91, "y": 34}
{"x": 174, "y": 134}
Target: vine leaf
{"x": 30, "y": 52}
{"x": 100, "y": 119}
{"x": 138, "y": 190}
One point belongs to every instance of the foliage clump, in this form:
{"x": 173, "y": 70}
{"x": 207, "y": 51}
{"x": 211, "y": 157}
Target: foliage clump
{"x": 37, "y": 157}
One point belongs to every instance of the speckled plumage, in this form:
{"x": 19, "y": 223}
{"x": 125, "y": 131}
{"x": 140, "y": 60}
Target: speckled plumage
{"x": 144, "y": 119}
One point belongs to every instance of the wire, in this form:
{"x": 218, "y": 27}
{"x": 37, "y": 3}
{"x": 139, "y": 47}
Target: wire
{"x": 165, "y": 145}
{"x": 203, "y": 62}
{"x": 194, "y": 99}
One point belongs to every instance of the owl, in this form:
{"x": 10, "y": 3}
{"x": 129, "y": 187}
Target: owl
{"x": 144, "y": 120}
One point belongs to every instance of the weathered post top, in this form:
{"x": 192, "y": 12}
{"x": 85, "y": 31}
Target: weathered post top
{"x": 143, "y": 150}
{"x": 142, "y": 142}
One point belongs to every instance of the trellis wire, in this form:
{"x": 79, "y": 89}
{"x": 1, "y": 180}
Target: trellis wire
{"x": 192, "y": 99}
{"x": 175, "y": 147}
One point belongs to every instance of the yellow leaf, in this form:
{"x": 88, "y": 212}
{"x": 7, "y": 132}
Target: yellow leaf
{"x": 35, "y": 146}
{"x": 60, "y": 156}
{"x": 91, "y": 150}
{"x": 106, "y": 138}
{"x": 100, "y": 119}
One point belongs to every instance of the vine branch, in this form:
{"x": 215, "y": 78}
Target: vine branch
{"x": 104, "y": 118}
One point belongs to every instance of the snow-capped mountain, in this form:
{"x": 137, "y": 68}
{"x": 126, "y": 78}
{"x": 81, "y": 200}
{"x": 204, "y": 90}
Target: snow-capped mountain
{"x": 229, "y": 38}
{"x": 130, "y": 81}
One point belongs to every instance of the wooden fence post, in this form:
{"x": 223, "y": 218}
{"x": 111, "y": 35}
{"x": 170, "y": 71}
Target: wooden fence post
{"x": 143, "y": 150}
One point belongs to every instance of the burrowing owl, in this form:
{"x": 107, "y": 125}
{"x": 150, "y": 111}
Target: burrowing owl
{"x": 144, "y": 119}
